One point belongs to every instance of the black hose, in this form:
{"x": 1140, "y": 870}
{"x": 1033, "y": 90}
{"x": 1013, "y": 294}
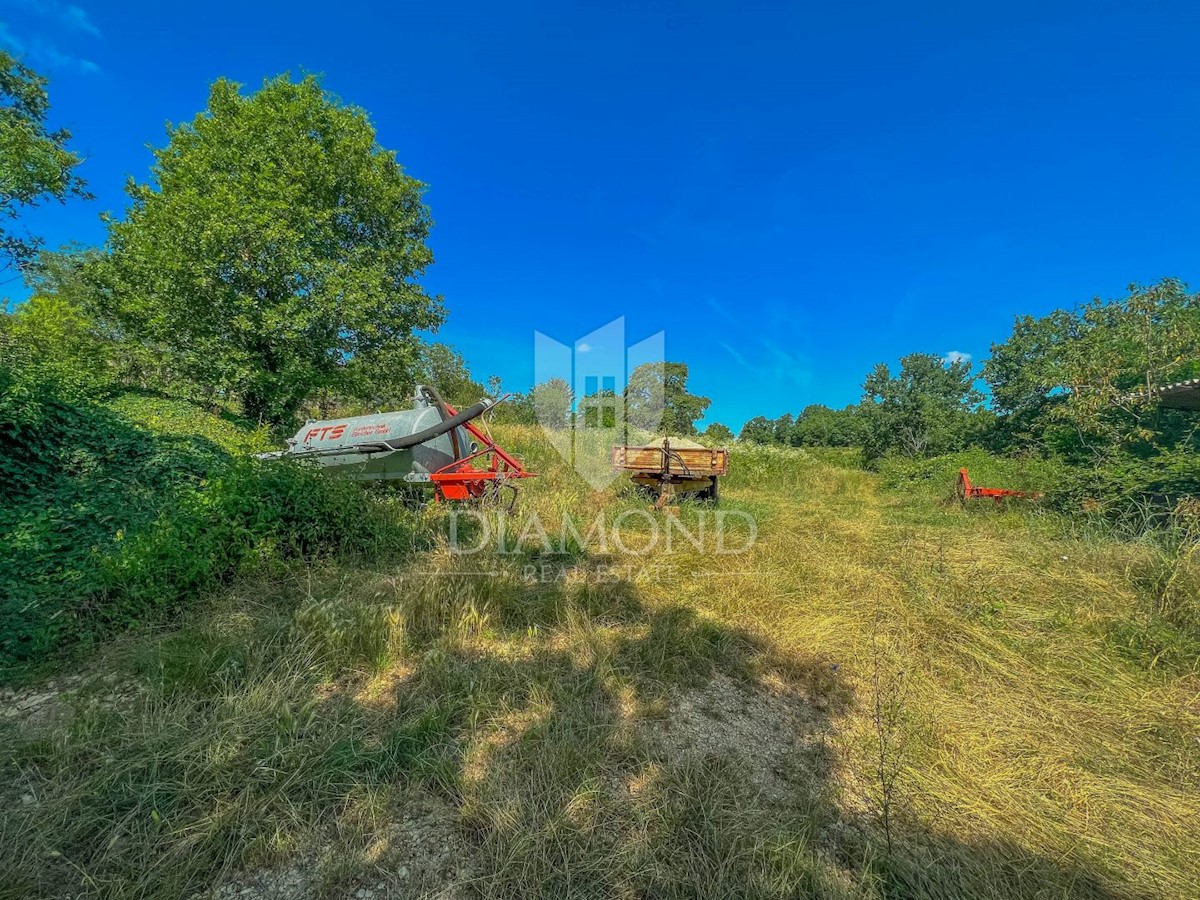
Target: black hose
{"x": 420, "y": 437}
{"x": 431, "y": 391}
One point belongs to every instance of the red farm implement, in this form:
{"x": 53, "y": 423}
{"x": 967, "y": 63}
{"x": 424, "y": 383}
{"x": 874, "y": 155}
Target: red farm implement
{"x": 967, "y": 491}
{"x": 461, "y": 480}
{"x": 432, "y": 444}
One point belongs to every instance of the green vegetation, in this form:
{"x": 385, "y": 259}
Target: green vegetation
{"x": 1075, "y": 388}
{"x": 35, "y": 164}
{"x": 274, "y": 251}
{"x": 717, "y": 435}
{"x": 118, "y": 513}
{"x": 657, "y": 399}
{"x": 552, "y": 401}
{"x": 928, "y": 408}
{"x": 242, "y": 675}
{"x": 646, "y": 723}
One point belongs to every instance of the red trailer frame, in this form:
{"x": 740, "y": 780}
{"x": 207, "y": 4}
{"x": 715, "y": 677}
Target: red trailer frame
{"x": 967, "y": 491}
{"x": 460, "y": 480}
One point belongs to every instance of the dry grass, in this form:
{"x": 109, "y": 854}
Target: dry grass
{"x": 594, "y": 724}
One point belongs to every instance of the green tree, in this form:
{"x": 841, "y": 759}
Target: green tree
{"x": 443, "y": 367}
{"x": 275, "y": 242}
{"x": 518, "y": 409}
{"x": 35, "y": 164}
{"x": 717, "y": 435}
{"x": 783, "y": 427}
{"x": 552, "y": 402}
{"x": 598, "y": 410}
{"x": 1079, "y": 381}
{"x": 51, "y": 349}
{"x": 53, "y": 346}
{"x": 386, "y": 378}
{"x": 820, "y": 426}
{"x": 926, "y": 409}
{"x": 758, "y": 430}
{"x": 657, "y": 399}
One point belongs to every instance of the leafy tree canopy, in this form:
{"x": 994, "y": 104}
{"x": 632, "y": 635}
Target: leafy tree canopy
{"x": 759, "y": 430}
{"x": 35, "y": 164}
{"x": 820, "y": 426}
{"x": 275, "y": 242}
{"x": 386, "y": 377}
{"x": 552, "y": 401}
{"x": 1086, "y": 376}
{"x": 924, "y": 409}
{"x": 717, "y": 434}
{"x": 662, "y": 387}
{"x": 443, "y": 367}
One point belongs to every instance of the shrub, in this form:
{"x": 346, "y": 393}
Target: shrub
{"x": 1134, "y": 490}
{"x": 110, "y": 523}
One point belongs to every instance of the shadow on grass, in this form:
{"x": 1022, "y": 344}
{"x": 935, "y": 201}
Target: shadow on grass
{"x": 589, "y": 743}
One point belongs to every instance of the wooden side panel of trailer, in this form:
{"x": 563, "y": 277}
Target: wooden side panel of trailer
{"x": 685, "y": 461}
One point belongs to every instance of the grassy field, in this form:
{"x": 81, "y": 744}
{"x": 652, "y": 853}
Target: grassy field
{"x": 884, "y": 695}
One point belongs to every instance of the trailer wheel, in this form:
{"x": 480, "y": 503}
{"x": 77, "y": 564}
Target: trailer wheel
{"x": 713, "y": 494}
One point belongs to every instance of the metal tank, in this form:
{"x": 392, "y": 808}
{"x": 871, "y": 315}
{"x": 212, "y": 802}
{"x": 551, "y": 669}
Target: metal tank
{"x": 408, "y": 445}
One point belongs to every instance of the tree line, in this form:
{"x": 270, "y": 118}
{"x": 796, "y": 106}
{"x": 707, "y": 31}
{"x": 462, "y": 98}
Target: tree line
{"x": 1078, "y": 385}
{"x": 271, "y": 263}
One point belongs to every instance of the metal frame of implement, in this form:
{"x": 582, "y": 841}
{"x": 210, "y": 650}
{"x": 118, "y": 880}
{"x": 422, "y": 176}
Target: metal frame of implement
{"x": 460, "y": 480}
{"x": 965, "y": 491}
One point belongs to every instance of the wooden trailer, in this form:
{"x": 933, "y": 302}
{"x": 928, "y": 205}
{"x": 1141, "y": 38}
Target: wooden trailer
{"x": 668, "y": 467}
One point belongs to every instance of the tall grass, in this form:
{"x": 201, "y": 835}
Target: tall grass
{"x": 574, "y": 729}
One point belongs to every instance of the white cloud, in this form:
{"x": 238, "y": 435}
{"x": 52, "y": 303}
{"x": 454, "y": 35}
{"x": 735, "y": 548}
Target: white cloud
{"x": 583, "y": 347}
{"x": 741, "y": 360}
{"x": 78, "y": 17}
{"x": 720, "y": 310}
{"x": 42, "y": 52}
{"x": 788, "y": 367}
{"x": 954, "y": 356}
{"x": 67, "y": 13}
{"x": 11, "y": 42}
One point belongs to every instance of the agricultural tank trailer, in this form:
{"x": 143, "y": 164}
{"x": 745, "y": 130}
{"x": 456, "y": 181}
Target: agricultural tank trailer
{"x": 432, "y": 443}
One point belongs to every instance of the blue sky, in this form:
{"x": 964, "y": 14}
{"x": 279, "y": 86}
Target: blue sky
{"x": 792, "y": 191}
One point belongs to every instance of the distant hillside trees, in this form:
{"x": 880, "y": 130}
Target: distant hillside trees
{"x": 717, "y": 434}
{"x": 759, "y": 430}
{"x": 1076, "y": 385}
{"x": 928, "y": 407}
{"x": 275, "y": 242}
{"x": 820, "y": 426}
{"x": 816, "y": 426}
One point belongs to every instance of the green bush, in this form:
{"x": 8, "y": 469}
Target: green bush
{"x": 108, "y": 522}
{"x": 49, "y": 346}
{"x": 1134, "y": 490}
